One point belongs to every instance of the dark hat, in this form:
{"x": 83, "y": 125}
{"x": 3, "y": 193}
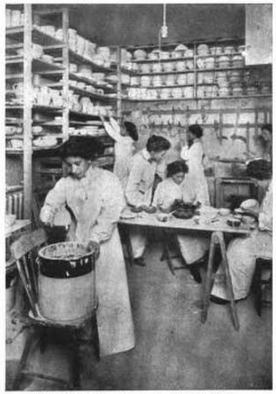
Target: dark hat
{"x": 132, "y": 130}
{"x": 86, "y": 147}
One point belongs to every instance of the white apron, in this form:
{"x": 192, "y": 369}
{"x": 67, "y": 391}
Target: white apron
{"x": 193, "y": 247}
{"x": 195, "y": 177}
{"x": 243, "y": 252}
{"x": 97, "y": 202}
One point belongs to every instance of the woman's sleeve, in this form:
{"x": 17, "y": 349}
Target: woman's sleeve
{"x": 55, "y": 199}
{"x": 113, "y": 130}
{"x": 113, "y": 203}
{"x": 265, "y": 216}
{"x": 195, "y": 156}
{"x": 133, "y": 195}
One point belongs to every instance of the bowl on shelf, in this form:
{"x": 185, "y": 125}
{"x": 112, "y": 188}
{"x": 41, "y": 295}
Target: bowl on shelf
{"x": 168, "y": 67}
{"x": 210, "y": 62}
{"x": 238, "y": 61}
{"x": 157, "y": 67}
{"x": 180, "y": 65}
{"x": 228, "y": 50}
{"x": 223, "y": 61}
{"x": 154, "y": 55}
{"x": 224, "y": 211}
{"x": 216, "y": 50}
{"x": 139, "y": 54}
{"x": 146, "y": 68}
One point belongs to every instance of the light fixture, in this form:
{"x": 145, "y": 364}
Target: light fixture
{"x": 164, "y": 27}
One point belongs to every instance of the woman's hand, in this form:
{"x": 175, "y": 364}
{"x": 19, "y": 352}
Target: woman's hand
{"x": 96, "y": 247}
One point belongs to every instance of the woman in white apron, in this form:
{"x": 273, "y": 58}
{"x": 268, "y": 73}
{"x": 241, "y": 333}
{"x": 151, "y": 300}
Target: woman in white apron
{"x": 193, "y": 248}
{"x": 242, "y": 253}
{"x": 124, "y": 138}
{"x": 95, "y": 198}
{"x": 193, "y": 155}
{"x": 140, "y": 184}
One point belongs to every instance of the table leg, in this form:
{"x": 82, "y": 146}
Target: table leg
{"x": 228, "y": 280}
{"x": 207, "y": 289}
{"x": 166, "y": 253}
{"x": 126, "y": 237}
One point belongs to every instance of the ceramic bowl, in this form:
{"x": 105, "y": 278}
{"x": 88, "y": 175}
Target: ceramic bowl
{"x": 232, "y": 222}
{"x": 139, "y": 54}
{"x": 224, "y": 211}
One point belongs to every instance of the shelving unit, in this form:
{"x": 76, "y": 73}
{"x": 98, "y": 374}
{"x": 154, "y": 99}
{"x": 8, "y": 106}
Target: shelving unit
{"x": 174, "y": 64}
{"x": 30, "y": 77}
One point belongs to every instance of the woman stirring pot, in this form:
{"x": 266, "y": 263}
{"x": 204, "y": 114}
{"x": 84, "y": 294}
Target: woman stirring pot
{"x": 95, "y": 201}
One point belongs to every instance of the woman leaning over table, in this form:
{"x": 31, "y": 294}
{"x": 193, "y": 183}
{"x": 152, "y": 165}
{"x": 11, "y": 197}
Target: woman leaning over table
{"x": 193, "y": 248}
{"x": 139, "y": 188}
{"x": 95, "y": 201}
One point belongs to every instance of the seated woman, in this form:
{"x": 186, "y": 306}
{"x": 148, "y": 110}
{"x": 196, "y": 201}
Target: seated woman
{"x": 242, "y": 253}
{"x": 192, "y": 248}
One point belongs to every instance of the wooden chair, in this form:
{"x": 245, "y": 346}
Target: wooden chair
{"x": 259, "y": 282}
{"x": 24, "y": 251}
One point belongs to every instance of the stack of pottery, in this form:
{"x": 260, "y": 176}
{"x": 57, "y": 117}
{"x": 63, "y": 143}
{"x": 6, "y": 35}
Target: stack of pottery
{"x": 168, "y": 66}
{"x": 188, "y": 92}
{"x": 238, "y": 61}
{"x": 165, "y": 93}
{"x": 157, "y": 81}
{"x": 201, "y": 91}
{"x": 229, "y": 50}
{"x": 139, "y": 54}
{"x": 216, "y": 50}
{"x": 181, "y": 79}
{"x": 104, "y": 52}
{"x": 145, "y": 68}
{"x": 72, "y": 33}
{"x": 164, "y": 55}
{"x": 200, "y": 63}
{"x": 189, "y": 64}
{"x": 145, "y": 81}
{"x": 223, "y": 61}
{"x": 170, "y": 80}
{"x": 210, "y": 62}
{"x": 80, "y": 45}
{"x": 203, "y": 50}
{"x": 37, "y": 51}
{"x": 207, "y": 78}
{"x": 157, "y": 67}
{"x": 223, "y": 84}
{"x": 154, "y": 55}
{"x": 176, "y": 93}
{"x": 14, "y": 18}
{"x": 179, "y": 51}
{"x": 125, "y": 79}
{"x": 189, "y": 53}
{"x": 190, "y": 78}
{"x": 49, "y": 29}
{"x": 252, "y": 90}
{"x": 180, "y": 65}
{"x": 236, "y": 76}
{"x": 237, "y": 89}
{"x": 134, "y": 81}
{"x": 85, "y": 70}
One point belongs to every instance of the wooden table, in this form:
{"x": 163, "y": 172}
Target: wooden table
{"x": 217, "y": 227}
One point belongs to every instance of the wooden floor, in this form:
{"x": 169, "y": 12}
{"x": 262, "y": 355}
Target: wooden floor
{"x": 174, "y": 351}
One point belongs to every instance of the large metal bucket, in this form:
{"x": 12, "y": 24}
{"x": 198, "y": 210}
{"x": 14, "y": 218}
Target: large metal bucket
{"x": 66, "y": 282}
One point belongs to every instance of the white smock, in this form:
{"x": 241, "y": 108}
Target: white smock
{"x": 139, "y": 192}
{"x": 123, "y": 149}
{"x": 195, "y": 177}
{"x": 192, "y": 247}
{"x": 243, "y": 252}
{"x": 96, "y": 202}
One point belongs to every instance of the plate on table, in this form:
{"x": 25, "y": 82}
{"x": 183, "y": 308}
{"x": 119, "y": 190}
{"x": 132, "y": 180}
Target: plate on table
{"x": 128, "y": 215}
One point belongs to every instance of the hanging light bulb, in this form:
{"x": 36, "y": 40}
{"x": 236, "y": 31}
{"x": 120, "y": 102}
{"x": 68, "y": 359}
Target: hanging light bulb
{"x": 164, "y": 27}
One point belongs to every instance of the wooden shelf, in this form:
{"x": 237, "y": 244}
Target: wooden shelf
{"x": 38, "y": 37}
{"x": 83, "y": 115}
{"x": 202, "y": 98}
{"x": 47, "y": 108}
{"x": 15, "y": 152}
{"x": 83, "y": 60}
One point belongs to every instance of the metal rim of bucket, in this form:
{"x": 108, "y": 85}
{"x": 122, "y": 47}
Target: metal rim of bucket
{"x": 41, "y": 251}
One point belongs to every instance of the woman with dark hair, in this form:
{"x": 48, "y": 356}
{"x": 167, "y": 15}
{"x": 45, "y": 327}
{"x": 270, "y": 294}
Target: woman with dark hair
{"x": 171, "y": 189}
{"x": 139, "y": 188}
{"x": 94, "y": 198}
{"x": 124, "y": 138}
{"x": 193, "y": 155}
{"x": 267, "y": 135}
{"x": 193, "y": 248}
